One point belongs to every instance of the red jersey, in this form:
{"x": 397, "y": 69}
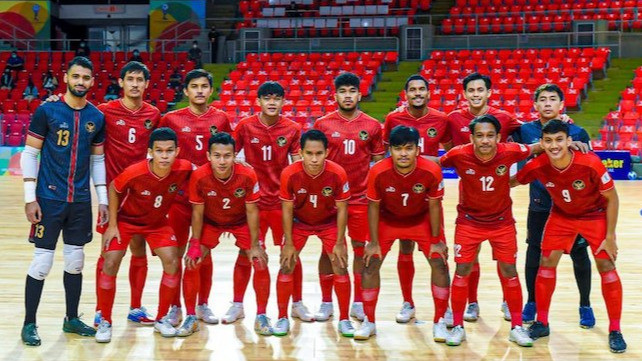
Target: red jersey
{"x": 146, "y": 198}
{"x": 484, "y": 187}
{"x": 267, "y": 149}
{"x": 194, "y": 131}
{"x": 224, "y": 200}
{"x": 314, "y": 197}
{"x": 127, "y": 134}
{"x": 351, "y": 144}
{"x": 433, "y": 129}
{"x": 459, "y": 119}
{"x": 404, "y": 198}
{"x": 576, "y": 190}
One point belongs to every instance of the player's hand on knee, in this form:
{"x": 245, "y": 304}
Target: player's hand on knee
{"x": 33, "y": 212}
{"x": 340, "y": 255}
{"x": 258, "y": 253}
{"x": 287, "y": 255}
{"x": 103, "y": 214}
{"x": 371, "y": 250}
{"x": 609, "y": 246}
{"x": 109, "y": 235}
{"x": 441, "y": 249}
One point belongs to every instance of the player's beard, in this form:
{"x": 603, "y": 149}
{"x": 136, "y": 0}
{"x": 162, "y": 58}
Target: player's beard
{"x": 348, "y": 109}
{"x": 77, "y": 93}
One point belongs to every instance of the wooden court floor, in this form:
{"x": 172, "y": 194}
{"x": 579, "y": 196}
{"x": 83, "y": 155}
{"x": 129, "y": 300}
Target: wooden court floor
{"x": 487, "y": 339}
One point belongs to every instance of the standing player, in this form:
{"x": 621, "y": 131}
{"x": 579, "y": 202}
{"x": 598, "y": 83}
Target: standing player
{"x": 354, "y": 140}
{"x": 314, "y": 192}
{"x": 549, "y": 102}
{"x": 584, "y": 202}
{"x": 484, "y": 213}
{"x": 194, "y": 125}
{"x": 477, "y": 91}
{"x": 433, "y": 130}
{"x": 268, "y": 142}
{"x": 404, "y": 193}
{"x": 69, "y": 133}
{"x": 139, "y": 200}
{"x": 224, "y": 195}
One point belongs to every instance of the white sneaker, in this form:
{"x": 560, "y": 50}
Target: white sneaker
{"x": 456, "y": 336}
{"x": 205, "y": 314}
{"x": 175, "y": 316}
{"x": 189, "y": 326}
{"x": 406, "y": 313}
{"x": 300, "y": 311}
{"x": 506, "y": 311}
{"x": 472, "y": 312}
{"x": 325, "y": 311}
{"x": 366, "y": 330}
{"x": 235, "y": 312}
{"x": 440, "y": 331}
{"x": 520, "y": 336}
{"x": 262, "y": 325}
{"x": 346, "y": 329}
{"x": 165, "y": 327}
{"x": 282, "y": 327}
{"x": 448, "y": 318}
{"x": 103, "y": 333}
{"x": 356, "y": 311}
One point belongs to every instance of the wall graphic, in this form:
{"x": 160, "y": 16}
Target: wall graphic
{"x": 172, "y": 23}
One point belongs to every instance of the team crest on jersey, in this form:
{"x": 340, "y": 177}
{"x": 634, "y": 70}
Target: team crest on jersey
{"x": 432, "y": 132}
{"x": 280, "y": 141}
{"x": 363, "y": 135}
{"x": 501, "y": 170}
{"x": 173, "y": 187}
{"x": 213, "y": 129}
{"x": 418, "y": 188}
{"x": 579, "y": 184}
{"x": 239, "y": 192}
{"x": 326, "y": 191}
{"x": 148, "y": 124}
{"x": 90, "y": 127}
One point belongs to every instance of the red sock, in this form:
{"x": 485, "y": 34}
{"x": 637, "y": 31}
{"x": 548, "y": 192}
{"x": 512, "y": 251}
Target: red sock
{"x": 242, "y": 273}
{"x": 513, "y": 296}
{"x": 207, "y": 270}
{"x": 176, "y": 300}
{"x": 284, "y": 285}
{"x": 261, "y": 286}
{"x": 326, "y": 281}
{"x": 473, "y": 283}
{"x": 502, "y": 282}
{"x": 406, "y": 272}
{"x": 358, "y": 253}
{"x": 137, "y": 278}
{"x": 342, "y": 290}
{"x": 440, "y": 297}
{"x": 612, "y": 293}
{"x": 544, "y": 287}
{"x": 297, "y": 286}
{"x": 191, "y": 282}
{"x": 166, "y": 293}
{"x": 458, "y": 296}
{"x": 106, "y": 287}
{"x": 99, "y": 269}
{"x": 370, "y": 298}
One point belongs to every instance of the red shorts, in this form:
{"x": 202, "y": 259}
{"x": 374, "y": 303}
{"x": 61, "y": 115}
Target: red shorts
{"x": 180, "y": 219}
{"x": 420, "y": 233}
{"x": 328, "y": 237}
{"x": 468, "y": 238}
{"x": 211, "y": 234}
{"x": 157, "y": 236}
{"x": 358, "y": 229}
{"x": 272, "y": 219}
{"x": 560, "y": 233}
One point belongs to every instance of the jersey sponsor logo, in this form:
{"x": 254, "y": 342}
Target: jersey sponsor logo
{"x": 432, "y": 132}
{"x": 363, "y": 135}
{"x": 327, "y": 191}
{"x": 441, "y": 185}
{"x": 280, "y": 141}
{"x": 186, "y": 129}
{"x": 256, "y": 188}
{"x": 336, "y": 135}
{"x": 148, "y": 124}
{"x": 391, "y": 189}
{"x": 211, "y": 194}
{"x": 302, "y": 191}
{"x": 501, "y": 170}
{"x": 605, "y": 178}
{"x": 90, "y": 127}
{"x": 470, "y": 171}
{"x": 418, "y": 188}
{"x": 239, "y": 192}
{"x": 464, "y": 129}
{"x": 346, "y": 187}
{"x": 255, "y": 141}
{"x": 550, "y": 185}
{"x": 145, "y": 193}
{"x": 579, "y": 184}
{"x": 213, "y": 129}
{"x": 120, "y": 122}
{"x": 173, "y": 187}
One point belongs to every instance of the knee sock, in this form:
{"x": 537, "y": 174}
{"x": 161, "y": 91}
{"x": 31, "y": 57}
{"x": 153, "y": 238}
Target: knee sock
{"x": 297, "y": 285}
{"x": 326, "y": 280}
{"x": 33, "y": 292}
{"x": 513, "y": 296}
{"x": 73, "y": 288}
{"x": 342, "y": 290}
{"x": 612, "y": 293}
{"x": 207, "y": 270}
{"x": 167, "y": 292}
{"x": 191, "y": 283}
{"x": 137, "y": 278}
{"x": 176, "y": 300}
{"x": 99, "y": 268}
{"x": 261, "y": 286}
{"x": 544, "y": 287}
{"x": 459, "y": 294}
{"x": 242, "y": 273}
{"x": 473, "y": 283}
{"x": 406, "y": 272}
{"x": 440, "y": 297}
{"x": 284, "y": 284}
{"x": 106, "y": 286}
{"x": 370, "y": 297}
{"x": 358, "y": 253}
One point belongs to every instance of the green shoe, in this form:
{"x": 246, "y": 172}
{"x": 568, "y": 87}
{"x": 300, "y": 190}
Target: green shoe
{"x": 29, "y": 335}
{"x": 75, "y": 325}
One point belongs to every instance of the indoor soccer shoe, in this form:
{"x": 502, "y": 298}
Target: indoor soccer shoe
{"x": 439, "y": 331}
{"x": 103, "y": 333}
{"x": 98, "y": 316}
{"x": 164, "y": 327}
{"x": 472, "y": 312}
{"x": 529, "y": 312}
{"x": 346, "y": 329}
{"x": 366, "y": 330}
{"x": 189, "y": 326}
{"x": 456, "y": 336}
{"x": 205, "y": 314}
{"x": 520, "y": 336}
{"x": 357, "y": 312}
{"x": 75, "y": 325}
{"x": 29, "y": 335}
{"x": 325, "y": 311}
{"x": 616, "y": 342}
{"x": 448, "y": 318}
{"x": 262, "y": 325}
{"x": 406, "y": 313}
{"x": 282, "y": 327}
{"x": 587, "y": 319}
{"x": 235, "y": 312}
{"x": 506, "y": 311}
{"x": 140, "y": 315}
{"x": 175, "y": 316}
{"x": 301, "y": 312}
{"x": 538, "y": 330}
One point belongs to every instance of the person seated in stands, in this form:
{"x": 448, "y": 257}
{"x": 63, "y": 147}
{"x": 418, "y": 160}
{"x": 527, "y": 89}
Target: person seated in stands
{"x": 31, "y": 91}
{"x": 83, "y": 49}
{"x": 49, "y": 81}
{"x": 7, "y": 81}
{"x": 15, "y": 62}
{"x": 136, "y": 56}
{"x": 113, "y": 90}
{"x": 175, "y": 80}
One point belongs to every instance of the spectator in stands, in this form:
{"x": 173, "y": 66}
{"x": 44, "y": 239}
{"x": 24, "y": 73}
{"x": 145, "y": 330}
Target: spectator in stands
{"x": 49, "y": 81}
{"x": 136, "y": 56}
{"x": 293, "y": 10}
{"x": 213, "y": 36}
{"x": 194, "y": 54}
{"x": 83, "y": 49}
{"x": 15, "y": 62}
{"x": 176, "y": 80}
{"x": 7, "y": 81}
{"x": 113, "y": 90}
{"x": 31, "y": 91}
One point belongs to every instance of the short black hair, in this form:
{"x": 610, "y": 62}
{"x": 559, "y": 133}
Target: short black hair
{"x": 346, "y": 79}
{"x": 161, "y": 134}
{"x": 402, "y": 134}
{"x": 476, "y": 76}
{"x": 314, "y": 134}
{"x": 555, "y": 126}
{"x": 413, "y": 78}
{"x": 549, "y": 88}
{"x": 198, "y": 73}
{"x": 134, "y": 67}
{"x": 221, "y": 138}
{"x": 486, "y": 118}
{"x": 270, "y": 88}
{"x": 82, "y": 62}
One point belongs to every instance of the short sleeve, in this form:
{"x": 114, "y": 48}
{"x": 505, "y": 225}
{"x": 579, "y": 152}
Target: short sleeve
{"x": 446, "y": 160}
{"x": 436, "y": 191}
{"x": 194, "y": 194}
{"x": 529, "y": 172}
{"x": 513, "y": 123}
{"x": 39, "y": 124}
{"x": 376, "y": 144}
{"x": 227, "y": 125}
{"x": 386, "y": 130}
{"x": 519, "y": 151}
{"x": 344, "y": 186}
{"x": 446, "y": 136}
{"x": 284, "y": 192}
{"x": 584, "y": 137}
{"x": 163, "y": 121}
{"x": 121, "y": 182}
{"x": 239, "y": 136}
{"x": 99, "y": 139}
{"x": 606, "y": 182}
{"x": 372, "y": 193}
{"x": 254, "y": 193}
{"x": 517, "y": 136}
{"x": 295, "y": 146}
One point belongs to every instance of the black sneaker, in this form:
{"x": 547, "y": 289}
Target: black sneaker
{"x": 616, "y": 342}
{"x": 538, "y": 329}
{"x": 30, "y": 336}
{"x": 75, "y": 325}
